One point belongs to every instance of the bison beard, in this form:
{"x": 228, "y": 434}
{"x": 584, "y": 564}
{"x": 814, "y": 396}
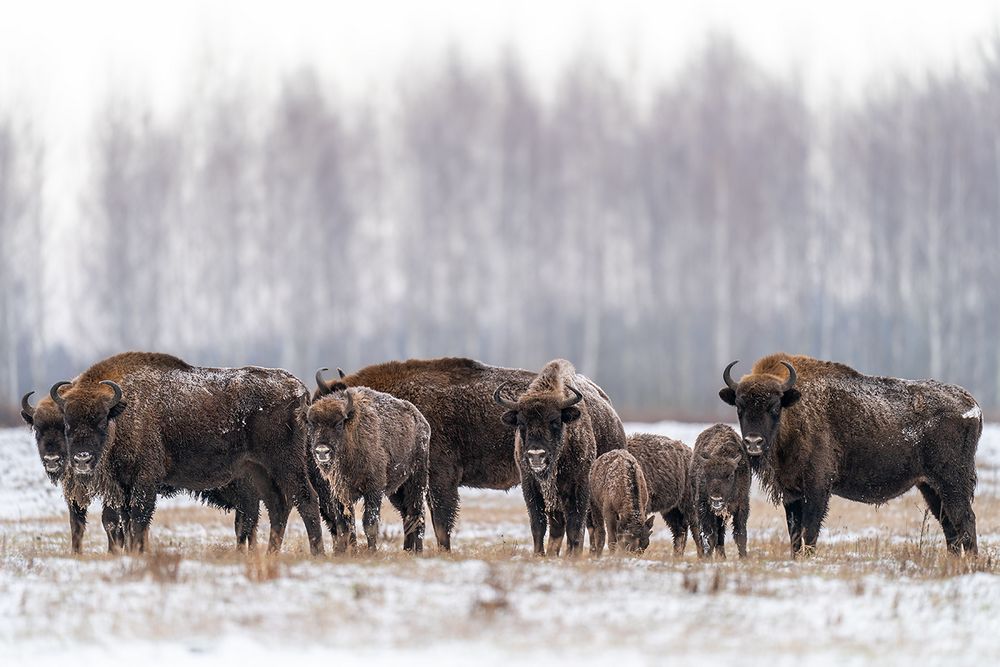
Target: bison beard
{"x": 469, "y": 446}
{"x": 828, "y": 429}
{"x": 172, "y": 425}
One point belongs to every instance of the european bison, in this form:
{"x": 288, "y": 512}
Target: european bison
{"x": 665, "y": 463}
{"x": 137, "y": 422}
{"x": 815, "y": 427}
{"x": 368, "y": 443}
{"x": 619, "y": 503}
{"x": 558, "y": 422}
{"x": 50, "y": 437}
{"x": 720, "y": 487}
{"x": 469, "y": 444}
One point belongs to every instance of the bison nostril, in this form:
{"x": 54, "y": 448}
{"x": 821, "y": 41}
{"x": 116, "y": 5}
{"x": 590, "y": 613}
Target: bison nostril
{"x": 51, "y": 457}
{"x": 83, "y": 457}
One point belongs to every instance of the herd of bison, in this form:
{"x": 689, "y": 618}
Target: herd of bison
{"x": 140, "y": 425}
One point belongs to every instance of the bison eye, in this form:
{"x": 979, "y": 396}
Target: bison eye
{"x": 555, "y": 423}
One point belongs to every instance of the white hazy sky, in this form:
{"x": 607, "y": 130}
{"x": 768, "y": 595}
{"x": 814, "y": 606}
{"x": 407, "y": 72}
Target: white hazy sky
{"x": 58, "y": 58}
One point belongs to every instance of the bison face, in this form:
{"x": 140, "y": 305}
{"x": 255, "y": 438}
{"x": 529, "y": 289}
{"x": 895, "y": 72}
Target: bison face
{"x": 327, "y": 421}
{"x": 46, "y": 424}
{"x": 634, "y": 533}
{"x": 88, "y": 415}
{"x": 721, "y": 488}
{"x": 540, "y": 422}
{"x": 759, "y": 400}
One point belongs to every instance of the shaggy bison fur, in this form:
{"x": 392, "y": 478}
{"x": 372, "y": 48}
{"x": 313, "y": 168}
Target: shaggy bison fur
{"x": 720, "y": 488}
{"x": 619, "y": 503}
{"x": 665, "y": 463}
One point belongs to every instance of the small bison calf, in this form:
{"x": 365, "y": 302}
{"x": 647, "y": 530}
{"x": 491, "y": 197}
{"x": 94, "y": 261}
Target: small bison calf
{"x": 665, "y": 463}
{"x": 367, "y": 443}
{"x": 619, "y": 503}
{"x": 720, "y": 483}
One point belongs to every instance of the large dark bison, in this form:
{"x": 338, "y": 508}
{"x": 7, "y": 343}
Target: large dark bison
{"x": 46, "y": 422}
{"x": 470, "y": 446}
{"x": 137, "y": 422}
{"x": 557, "y": 422}
{"x": 813, "y": 428}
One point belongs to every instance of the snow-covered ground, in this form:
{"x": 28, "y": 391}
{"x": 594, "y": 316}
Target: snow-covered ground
{"x": 879, "y": 590}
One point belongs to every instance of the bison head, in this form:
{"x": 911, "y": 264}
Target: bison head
{"x": 46, "y": 424}
{"x": 759, "y": 400}
{"x": 88, "y": 412}
{"x": 634, "y": 533}
{"x": 540, "y": 420}
{"x": 326, "y": 423}
{"x": 719, "y": 479}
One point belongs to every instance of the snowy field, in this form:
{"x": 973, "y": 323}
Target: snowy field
{"x": 880, "y": 590}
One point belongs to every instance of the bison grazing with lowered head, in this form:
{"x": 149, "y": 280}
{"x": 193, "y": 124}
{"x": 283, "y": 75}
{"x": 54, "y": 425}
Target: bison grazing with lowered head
{"x": 558, "y": 422}
{"x": 137, "y": 422}
{"x": 469, "y": 444}
{"x": 665, "y": 464}
{"x": 619, "y": 503}
{"x": 720, "y": 488}
{"x": 368, "y": 443}
{"x": 46, "y": 423}
{"x": 814, "y": 428}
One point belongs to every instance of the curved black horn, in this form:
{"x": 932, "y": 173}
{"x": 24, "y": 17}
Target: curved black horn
{"x": 324, "y": 388}
{"x": 54, "y": 393}
{"x": 729, "y": 378}
{"x": 118, "y": 391}
{"x": 791, "y": 376}
{"x": 510, "y": 405}
{"x": 25, "y": 406}
{"x": 342, "y": 374}
{"x": 571, "y": 401}
{"x": 350, "y": 403}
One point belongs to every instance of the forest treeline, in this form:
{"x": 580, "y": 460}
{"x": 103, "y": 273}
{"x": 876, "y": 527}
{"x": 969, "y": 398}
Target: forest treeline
{"x": 650, "y": 234}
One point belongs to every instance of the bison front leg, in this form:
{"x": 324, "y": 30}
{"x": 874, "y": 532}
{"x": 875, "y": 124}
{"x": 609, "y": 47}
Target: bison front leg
{"x": 814, "y": 510}
{"x": 598, "y": 535}
{"x": 557, "y": 529}
{"x": 535, "y": 505}
{"x": 576, "y": 517}
{"x": 141, "y": 505}
{"x": 370, "y": 519}
{"x": 678, "y": 528}
{"x": 708, "y": 532}
{"x": 740, "y": 517}
{"x": 793, "y": 518}
{"x": 77, "y": 525}
{"x": 111, "y": 519}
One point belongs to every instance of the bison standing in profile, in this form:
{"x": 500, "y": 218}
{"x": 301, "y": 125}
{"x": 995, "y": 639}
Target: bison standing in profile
{"x": 46, "y": 422}
{"x": 619, "y": 503}
{"x": 469, "y": 444}
{"x": 815, "y": 428}
{"x": 720, "y": 489}
{"x": 369, "y": 444}
{"x": 558, "y": 422}
{"x": 665, "y": 464}
{"x": 138, "y": 422}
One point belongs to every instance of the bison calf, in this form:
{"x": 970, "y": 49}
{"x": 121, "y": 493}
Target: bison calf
{"x": 720, "y": 482}
{"x": 619, "y": 503}
{"x": 368, "y": 443}
{"x": 665, "y": 463}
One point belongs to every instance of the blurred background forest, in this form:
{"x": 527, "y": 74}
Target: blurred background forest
{"x": 650, "y": 236}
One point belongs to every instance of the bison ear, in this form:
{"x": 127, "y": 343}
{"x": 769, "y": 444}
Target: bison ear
{"x": 649, "y": 523}
{"x": 728, "y": 395}
{"x": 509, "y": 418}
{"x": 570, "y": 414}
{"x": 117, "y": 409}
{"x": 790, "y": 397}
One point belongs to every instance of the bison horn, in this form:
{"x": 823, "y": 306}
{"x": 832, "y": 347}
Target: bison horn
{"x": 54, "y": 394}
{"x": 500, "y": 400}
{"x": 342, "y": 373}
{"x": 791, "y": 376}
{"x": 350, "y": 404}
{"x": 118, "y": 391}
{"x": 571, "y": 401}
{"x": 25, "y": 406}
{"x": 729, "y": 378}
{"x": 324, "y": 388}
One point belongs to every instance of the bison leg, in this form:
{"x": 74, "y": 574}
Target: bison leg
{"x": 740, "y": 517}
{"x": 329, "y": 508}
{"x": 959, "y": 510}
{"x": 678, "y": 528}
{"x": 140, "y": 508}
{"x": 111, "y": 519}
{"x": 597, "y": 531}
{"x": 442, "y": 497}
{"x": 295, "y": 485}
{"x": 411, "y": 507}
{"x": 576, "y": 517}
{"x": 720, "y": 536}
{"x": 535, "y": 504}
{"x": 813, "y": 513}
{"x": 245, "y": 523}
{"x": 370, "y": 519}
{"x": 793, "y": 517}
{"x": 708, "y": 532}
{"x": 277, "y": 509}
{"x": 934, "y": 504}
{"x": 557, "y": 529}
{"x": 77, "y": 525}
